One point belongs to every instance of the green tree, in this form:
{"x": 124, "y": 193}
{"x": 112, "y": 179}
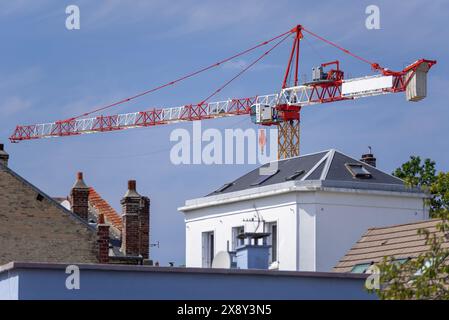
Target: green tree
{"x": 423, "y": 277}
{"x": 416, "y": 173}
{"x": 439, "y": 203}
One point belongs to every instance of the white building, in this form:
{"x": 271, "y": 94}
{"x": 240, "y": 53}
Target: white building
{"x": 315, "y": 206}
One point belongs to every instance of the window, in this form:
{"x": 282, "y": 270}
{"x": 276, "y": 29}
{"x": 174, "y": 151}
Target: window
{"x": 358, "y": 171}
{"x": 207, "y": 249}
{"x": 295, "y": 175}
{"x": 262, "y": 178}
{"x": 236, "y": 242}
{"x": 271, "y": 228}
{"x": 224, "y": 187}
{"x": 401, "y": 261}
{"x": 361, "y": 268}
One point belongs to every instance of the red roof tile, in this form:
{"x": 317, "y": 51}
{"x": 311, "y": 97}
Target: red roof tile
{"x": 110, "y": 215}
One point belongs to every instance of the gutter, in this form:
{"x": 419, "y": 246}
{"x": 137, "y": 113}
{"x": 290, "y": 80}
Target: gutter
{"x": 301, "y": 186}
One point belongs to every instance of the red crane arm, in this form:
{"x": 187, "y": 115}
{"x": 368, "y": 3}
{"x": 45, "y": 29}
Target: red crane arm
{"x": 288, "y": 101}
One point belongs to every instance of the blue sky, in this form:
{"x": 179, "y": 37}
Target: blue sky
{"x": 124, "y": 47}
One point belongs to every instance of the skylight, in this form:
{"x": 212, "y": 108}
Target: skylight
{"x": 401, "y": 261}
{"x": 224, "y": 187}
{"x": 262, "y": 178}
{"x": 358, "y": 171}
{"x": 295, "y": 175}
{"x": 360, "y": 268}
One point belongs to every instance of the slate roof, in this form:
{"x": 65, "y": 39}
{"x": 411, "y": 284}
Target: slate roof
{"x": 400, "y": 241}
{"x": 327, "y": 165}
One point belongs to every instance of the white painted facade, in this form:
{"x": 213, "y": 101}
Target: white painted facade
{"x": 317, "y": 222}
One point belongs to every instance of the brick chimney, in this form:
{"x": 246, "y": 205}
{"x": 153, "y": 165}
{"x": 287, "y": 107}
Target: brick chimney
{"x": 4, "y": 157}
{"x": 130, "y": 219}
{"x": 80, "y": 197}
{"x": 136, "y": 221}
{"x": 369, "y": 158}
{"x": 103, "y": 240}
{"x": 144, "y": 227}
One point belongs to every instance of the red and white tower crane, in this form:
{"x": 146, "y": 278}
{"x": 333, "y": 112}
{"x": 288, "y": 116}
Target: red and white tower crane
{"x": 281, "y": 109}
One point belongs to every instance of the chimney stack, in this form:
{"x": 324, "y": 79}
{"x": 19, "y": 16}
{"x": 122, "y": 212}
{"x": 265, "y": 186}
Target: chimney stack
{"x": 253, "y": 254}
{"x": 144, "y": 227}
{"x": 4, "y": 157}
{"x": 369, "y": 158}
{"x": 130, "y": 217}
{"x": 80, "y": 197}
{"x": 136, "y": 220}
{"x": 103, "y": 240}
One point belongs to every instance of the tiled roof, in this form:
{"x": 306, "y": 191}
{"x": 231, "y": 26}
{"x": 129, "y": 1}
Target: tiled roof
{"x": 400, "y": 241}
{"x": 110, "y": 215}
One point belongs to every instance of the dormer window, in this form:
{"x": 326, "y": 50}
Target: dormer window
{"x": 358, "y": 171}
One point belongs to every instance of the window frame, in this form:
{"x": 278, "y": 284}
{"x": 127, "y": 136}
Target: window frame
{"x": 364, "y": 174}
{"x": 269, "y": 228}
{"x": 236, "y": 242}
{"x": 263, "y": 178}
{"x": 366, "y": 265}
{"x": 207, "y": 248}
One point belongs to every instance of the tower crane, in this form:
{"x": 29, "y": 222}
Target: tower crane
{"x": 281, "y": 109}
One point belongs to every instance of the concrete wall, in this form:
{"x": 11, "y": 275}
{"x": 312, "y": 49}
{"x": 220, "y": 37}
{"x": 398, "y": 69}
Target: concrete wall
{"x": 315, "y": 228}
{"x": 39, "y": 281}
{"x": 342, "y": 218}
{"x": 221, "y": 220}
{"x": 9, "y": 286}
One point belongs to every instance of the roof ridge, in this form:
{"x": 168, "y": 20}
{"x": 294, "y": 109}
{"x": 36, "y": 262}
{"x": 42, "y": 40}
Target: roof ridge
{"x": 316, "y": 166}
{"x": 404, "y": 224}
{"x": 370, "y": 241}
{"x": 328, "y": 164}
{"x": 403, "y": 253}
{"x": 46, "y": 196}
{"x": 388, "y": 247}
{"x": 302, "y": 155}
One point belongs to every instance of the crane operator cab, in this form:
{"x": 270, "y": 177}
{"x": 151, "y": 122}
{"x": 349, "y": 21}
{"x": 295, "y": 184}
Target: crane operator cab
{"x": 263, "y": 114}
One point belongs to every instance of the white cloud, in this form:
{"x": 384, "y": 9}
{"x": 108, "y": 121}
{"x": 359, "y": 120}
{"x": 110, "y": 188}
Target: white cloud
{"x": 21, "y": 7}
{"x": 14, "y": 105}
{"x": 19, "y": 79}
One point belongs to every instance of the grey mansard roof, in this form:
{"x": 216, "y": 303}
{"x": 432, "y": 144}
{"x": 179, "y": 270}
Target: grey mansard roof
{"x": 330, "y": 167}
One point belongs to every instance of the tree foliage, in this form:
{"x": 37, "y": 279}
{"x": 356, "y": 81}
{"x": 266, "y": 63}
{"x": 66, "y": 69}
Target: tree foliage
{"x": 439, "y": 203}
{"x": 416, "y": 173}
{"x": 425, "y": 276}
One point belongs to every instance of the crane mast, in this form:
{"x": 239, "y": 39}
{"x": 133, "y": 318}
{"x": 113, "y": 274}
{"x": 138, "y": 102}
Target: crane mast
{"x": 280, "y": 109}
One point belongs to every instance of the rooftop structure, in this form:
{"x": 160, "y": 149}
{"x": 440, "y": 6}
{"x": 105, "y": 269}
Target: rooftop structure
{"x": 314, "y": 206}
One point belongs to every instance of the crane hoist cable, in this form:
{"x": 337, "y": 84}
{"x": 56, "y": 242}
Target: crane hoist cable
{"x": 189, "y": 75}
{"x": 372, "y": 64}
{"x": 245, "y": 69}
{"x": 239, "y": 54}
